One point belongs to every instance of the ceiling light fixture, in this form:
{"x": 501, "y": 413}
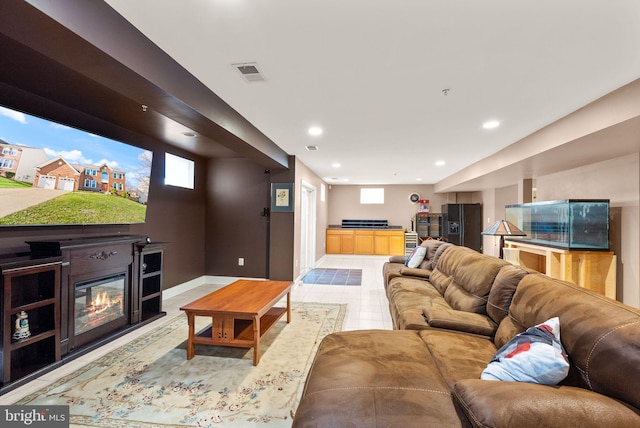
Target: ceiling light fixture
{"x": 311, "y": 148}
{"x": 315, "y": 131}
{"x": 440, "y": 163}
{"x": 335, "y": 165}
{"x": 491, "y": 124}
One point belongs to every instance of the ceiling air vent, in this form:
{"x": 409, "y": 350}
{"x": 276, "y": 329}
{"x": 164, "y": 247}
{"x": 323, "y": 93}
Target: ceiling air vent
{"x": 249, "y": 71}
{"x": 311, "y": 148}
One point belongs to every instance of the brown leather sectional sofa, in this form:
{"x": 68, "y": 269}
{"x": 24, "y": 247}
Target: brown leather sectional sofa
{"x": 427, "y": 373}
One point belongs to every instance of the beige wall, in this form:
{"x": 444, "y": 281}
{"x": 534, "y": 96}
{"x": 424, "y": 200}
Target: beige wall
{"x": 344, "y": 203}
{"x": 619, "y": 181}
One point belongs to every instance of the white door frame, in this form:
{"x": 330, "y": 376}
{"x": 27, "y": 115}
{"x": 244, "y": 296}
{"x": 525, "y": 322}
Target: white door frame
{"x": 308, "y": 203}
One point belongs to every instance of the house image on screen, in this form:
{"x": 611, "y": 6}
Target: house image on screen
{"x": 101, "y": 179}
{"x": 17, "y": 162}
{"x": 59, "y": 174}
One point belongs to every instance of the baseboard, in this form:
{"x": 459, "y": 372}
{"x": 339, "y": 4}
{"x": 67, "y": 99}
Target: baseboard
{"x": 197, "y": 282}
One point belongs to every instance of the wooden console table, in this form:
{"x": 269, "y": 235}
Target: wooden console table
{"x": 593, "y": 270}
{"x": 240, "y": 314}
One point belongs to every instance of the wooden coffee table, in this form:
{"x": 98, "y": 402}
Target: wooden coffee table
{"x": 241, "y": 313}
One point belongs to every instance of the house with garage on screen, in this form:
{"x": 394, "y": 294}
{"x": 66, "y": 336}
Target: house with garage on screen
{"x": 59, "y": 174}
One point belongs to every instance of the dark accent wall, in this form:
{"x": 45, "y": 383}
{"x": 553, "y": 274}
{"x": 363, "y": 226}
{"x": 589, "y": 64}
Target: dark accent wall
{"x": 238, "y": 191}
{"x": 282, "y": 232}
{"x": 80, "y": 63}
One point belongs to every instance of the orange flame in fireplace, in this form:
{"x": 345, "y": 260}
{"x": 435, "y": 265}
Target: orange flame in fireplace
{"x": 102, "y": 302}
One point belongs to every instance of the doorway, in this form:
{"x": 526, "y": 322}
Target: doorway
{"x": 307, "y": 228}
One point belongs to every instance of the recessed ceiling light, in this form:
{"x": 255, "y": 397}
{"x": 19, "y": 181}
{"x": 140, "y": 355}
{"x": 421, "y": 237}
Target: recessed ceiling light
{"x": 418, "y": 179}
{"x": 335, "y": 165}
{"x": 315, "y": 131}
{"x": 440, "y": 163}
{"x": 490, "y": 124}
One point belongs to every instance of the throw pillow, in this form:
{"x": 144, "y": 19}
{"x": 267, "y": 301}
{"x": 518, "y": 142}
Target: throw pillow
{"x": 534, "y": 356}
{"x": 416, "y": 257}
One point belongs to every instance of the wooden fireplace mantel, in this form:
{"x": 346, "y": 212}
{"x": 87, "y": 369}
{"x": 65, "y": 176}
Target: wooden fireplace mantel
{"x": 77, "y": 261}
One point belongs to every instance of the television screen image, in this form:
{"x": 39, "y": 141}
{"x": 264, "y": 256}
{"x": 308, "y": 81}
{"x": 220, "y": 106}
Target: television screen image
{"x": 53, "y": 174}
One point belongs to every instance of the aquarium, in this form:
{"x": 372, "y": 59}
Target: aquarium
{"x": 572, "y": 224}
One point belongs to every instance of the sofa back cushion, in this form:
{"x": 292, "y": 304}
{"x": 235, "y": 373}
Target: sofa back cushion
{"x": 464, "y": 277}
{"x": 601, "y": 336}
{"x": 502, "y": 291}
{"x": 432, "y": 246}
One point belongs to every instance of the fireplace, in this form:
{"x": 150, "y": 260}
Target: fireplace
{"x": 104, "y": 291}
{"x": 99, "y": 304}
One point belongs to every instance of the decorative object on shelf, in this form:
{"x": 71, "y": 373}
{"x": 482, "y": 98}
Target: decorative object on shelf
{"x": 414, "y": 197}
{"x": 423, "y": 206}
{"x": 21, "y": 330}
{"x": 282, "y": 197}
{"x": 502, "y": 228}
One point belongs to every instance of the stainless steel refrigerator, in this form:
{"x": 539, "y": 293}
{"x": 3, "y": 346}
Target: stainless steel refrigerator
{"x": 462, "y": 225}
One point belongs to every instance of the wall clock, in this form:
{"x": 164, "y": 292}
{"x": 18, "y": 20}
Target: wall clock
{"x": 414, "y": 197}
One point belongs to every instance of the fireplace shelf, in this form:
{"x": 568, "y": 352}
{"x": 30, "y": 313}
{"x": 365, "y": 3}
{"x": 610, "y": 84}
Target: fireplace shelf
{"x": 150, "y": 280}
{"x": 30, "y": 316}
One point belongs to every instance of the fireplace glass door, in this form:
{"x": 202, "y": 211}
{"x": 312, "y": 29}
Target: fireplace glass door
{"x": 99, "y": 302}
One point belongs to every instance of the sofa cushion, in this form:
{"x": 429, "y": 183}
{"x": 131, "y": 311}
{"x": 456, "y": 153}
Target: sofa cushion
{"x": 441, "y": 316}
{"x": 601, "y": 336}
{"x": 416, "y": 257}
{"x": 431, "y": 258}
{"x": 507, "y": 404}
{"x": 465, "y": 277}
{"x": 535, "y": 356}
{"x": 373, "y": 378}
{"x": 502, "y": 291}
{"x": 458, "y": 355}
{"x": 406, "y": 307}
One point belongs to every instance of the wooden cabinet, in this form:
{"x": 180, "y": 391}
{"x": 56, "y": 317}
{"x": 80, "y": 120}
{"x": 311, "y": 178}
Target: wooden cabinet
{"x": 594, "y": 270}
{"x": 389, "y": 242}
{"x": 31, "y": 294}
{"x": 396, "y": 244}
{"x": 378, "y": 242}
{"x": 340, "y": 241}
{"x": 365, "y": 242}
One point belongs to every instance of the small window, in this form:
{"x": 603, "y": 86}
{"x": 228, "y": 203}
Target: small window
{"x": 178, "y": 171}
{"x": 372, "y": 195}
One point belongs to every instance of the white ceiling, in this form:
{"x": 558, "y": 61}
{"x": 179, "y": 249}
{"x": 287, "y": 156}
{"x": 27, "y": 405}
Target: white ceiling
{"x": 371, "y": 73}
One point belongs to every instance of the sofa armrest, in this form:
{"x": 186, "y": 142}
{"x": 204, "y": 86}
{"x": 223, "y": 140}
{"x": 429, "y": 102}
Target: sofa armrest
{"x": 398, "y": 259}
{"x": 452, "y": 319}
{"x": 415, "y": 272}
{"x": 490, "y": 403}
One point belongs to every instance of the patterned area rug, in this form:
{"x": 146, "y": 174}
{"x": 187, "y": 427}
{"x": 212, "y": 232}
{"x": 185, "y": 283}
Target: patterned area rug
{"x": 149, "y": 382}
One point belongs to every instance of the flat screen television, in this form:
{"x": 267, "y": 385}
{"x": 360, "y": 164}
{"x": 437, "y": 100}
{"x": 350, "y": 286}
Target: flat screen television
{"x": 53, "y": 174}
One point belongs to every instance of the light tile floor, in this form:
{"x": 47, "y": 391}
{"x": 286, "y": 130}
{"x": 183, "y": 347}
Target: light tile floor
{"x": 367, "y": 308}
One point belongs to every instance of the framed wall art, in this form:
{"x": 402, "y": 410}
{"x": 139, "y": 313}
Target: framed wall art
{"x": 281, "y": 197}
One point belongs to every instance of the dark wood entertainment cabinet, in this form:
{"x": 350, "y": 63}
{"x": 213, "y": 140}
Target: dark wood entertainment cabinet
{"x": 43, "y": 283}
